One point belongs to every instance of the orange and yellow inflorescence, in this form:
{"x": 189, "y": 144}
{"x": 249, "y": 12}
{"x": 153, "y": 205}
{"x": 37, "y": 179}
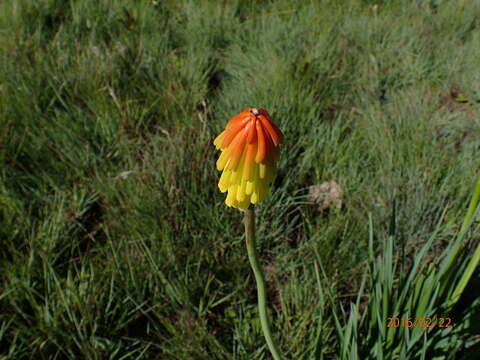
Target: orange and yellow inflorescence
{"x": 249, "y": 146}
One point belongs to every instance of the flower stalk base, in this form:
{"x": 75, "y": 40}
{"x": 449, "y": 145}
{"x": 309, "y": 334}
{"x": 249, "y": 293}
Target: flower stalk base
{"x": 249, "y": 221}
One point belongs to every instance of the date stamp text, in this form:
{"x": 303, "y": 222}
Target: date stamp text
{"x": 419, "y": 322}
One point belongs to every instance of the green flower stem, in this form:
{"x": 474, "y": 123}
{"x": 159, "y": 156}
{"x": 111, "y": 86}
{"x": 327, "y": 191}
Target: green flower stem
{"x": 249, "y": 221}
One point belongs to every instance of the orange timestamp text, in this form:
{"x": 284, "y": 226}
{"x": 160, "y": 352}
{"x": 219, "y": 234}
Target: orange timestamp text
{"x": 419, "y": 322}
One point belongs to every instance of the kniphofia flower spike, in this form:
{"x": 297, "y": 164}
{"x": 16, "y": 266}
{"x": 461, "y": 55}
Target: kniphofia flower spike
{"x": 249, "y": 146}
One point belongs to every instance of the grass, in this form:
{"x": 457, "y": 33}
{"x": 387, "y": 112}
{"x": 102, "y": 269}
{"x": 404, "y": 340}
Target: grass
{"x": 114, "y": 239}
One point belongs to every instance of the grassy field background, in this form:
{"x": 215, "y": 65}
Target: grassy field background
{"x": 115, "y": 242}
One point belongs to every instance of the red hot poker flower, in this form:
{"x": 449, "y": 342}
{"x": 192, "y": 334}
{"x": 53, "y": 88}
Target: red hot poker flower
{"x": 249, "y": 146}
